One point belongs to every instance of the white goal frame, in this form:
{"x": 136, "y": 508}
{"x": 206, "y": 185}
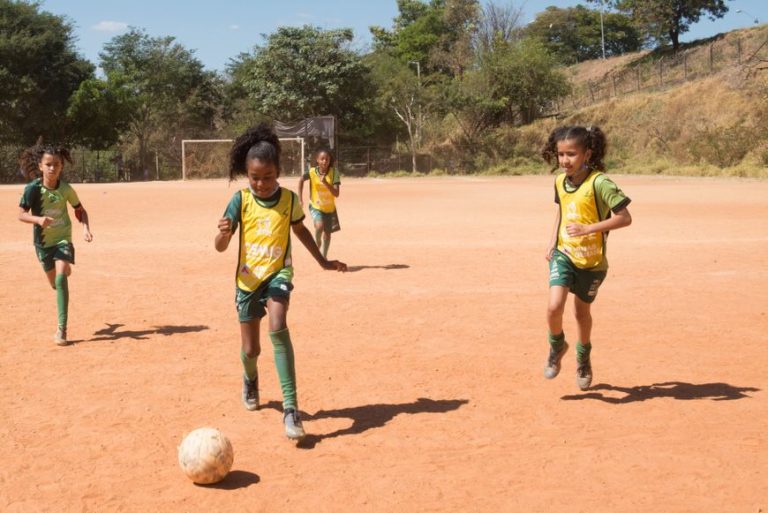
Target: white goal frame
{"x": 185, "y": 141}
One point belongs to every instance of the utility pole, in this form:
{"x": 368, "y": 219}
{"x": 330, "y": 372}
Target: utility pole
{"x": 418, "y": 76}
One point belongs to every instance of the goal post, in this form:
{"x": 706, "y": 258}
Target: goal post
{"x": 209, "y": 158}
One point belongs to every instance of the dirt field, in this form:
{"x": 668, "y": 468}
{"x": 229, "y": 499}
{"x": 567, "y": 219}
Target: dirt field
{"x": 420, "y": 370}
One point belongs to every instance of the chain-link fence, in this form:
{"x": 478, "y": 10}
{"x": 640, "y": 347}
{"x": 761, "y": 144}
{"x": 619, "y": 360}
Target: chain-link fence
{"x": 653, "y": 74}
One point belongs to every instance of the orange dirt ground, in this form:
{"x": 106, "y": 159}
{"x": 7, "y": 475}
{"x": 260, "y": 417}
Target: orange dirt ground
{"x": 420, "y": 370}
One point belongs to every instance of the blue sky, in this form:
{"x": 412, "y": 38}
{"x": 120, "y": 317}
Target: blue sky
{"x": 221, "y": 29}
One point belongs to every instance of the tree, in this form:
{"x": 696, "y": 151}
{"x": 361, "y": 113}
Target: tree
{"x": 497, "y": 23}
{"x": 400, "y": 93}
{"x": 302, "y": 72}
{"x": 527, "y": 76}
{"x": 574, "y": 34}
{"x": 39, "y": 71}
{"x": 163, "y": 87}
{"x": 666, "y": 20}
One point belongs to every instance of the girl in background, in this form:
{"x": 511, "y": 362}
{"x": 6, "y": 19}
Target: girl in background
{"x": 324, "y": 184}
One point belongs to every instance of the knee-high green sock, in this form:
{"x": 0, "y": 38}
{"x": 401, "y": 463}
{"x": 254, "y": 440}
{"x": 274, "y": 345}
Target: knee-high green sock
{"x": 62, "y": 298}
{"x": 557, "y": 341}
{"x": 582, "y": 351}
{"x": 249, "y": 365}
{"x": 286, "y": 370}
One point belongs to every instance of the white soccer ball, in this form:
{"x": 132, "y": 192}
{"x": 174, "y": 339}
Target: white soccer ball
{"x": 206, "y": 455}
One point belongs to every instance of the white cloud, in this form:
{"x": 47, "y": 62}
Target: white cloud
{"x": 234, "y": 27}
{"x": 110, "y": 26}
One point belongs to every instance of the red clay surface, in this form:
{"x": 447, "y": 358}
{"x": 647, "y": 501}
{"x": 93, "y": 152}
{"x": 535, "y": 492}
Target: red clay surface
{"x": 420, "y": 370}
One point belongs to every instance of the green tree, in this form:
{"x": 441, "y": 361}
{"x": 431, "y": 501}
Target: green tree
{"x": 666, "y": 20}
{"x": 165, "y": 92}
{"x": 39, "y": 71}
{"x": 574, "y": 34}
{"x": 302, "y": 72}
{"x": 526, "y": 75}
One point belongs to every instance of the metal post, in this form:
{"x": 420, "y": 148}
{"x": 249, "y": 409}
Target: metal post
{"x": 602, "y": 29}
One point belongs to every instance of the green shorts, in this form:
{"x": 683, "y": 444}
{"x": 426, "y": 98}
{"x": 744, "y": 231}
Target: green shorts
{"x": 48, "y": 256}
{"x": 330, "y": 220}
{"x": 252, "y": 305}
{"x": 581, "y": 282}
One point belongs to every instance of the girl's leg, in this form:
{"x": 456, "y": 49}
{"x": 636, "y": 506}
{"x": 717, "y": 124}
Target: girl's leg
{"x": 584, "y": 344}
{"x": 249, "y": 354}
{"x": 284, "y": 361}
{"x": 61, "y": 270}
{"x": 326, "y": 243}
{"x": 318, "y": 233}
{"x": 557, "y": 344}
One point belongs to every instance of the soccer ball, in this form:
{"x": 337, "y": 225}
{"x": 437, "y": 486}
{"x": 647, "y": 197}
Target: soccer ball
{"x": 206, "y": 455}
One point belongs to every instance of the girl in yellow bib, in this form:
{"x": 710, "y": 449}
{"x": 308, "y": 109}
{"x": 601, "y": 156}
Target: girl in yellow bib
{"x": 589, "y": 205}
{"x": 266, "y": 214}
{"x": 324, "y": 186}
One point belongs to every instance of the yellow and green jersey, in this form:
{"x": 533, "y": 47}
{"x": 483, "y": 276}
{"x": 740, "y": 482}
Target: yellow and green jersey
{"x": 319, "y": 196}
{"x": 265, "y": 235}
{"x": 590, "y": 202}
{"x": 39, "y": 200}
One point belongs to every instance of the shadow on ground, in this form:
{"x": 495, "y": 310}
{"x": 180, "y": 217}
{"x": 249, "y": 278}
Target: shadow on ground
{"x": 370, "y": 416}
{"x": 355, "y": 268}
{"x": 671, "y": 389}
{"x": 112, "y": 332}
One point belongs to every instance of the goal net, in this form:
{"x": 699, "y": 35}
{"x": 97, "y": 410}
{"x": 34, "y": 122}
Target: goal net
{"x": 209, "y": 158}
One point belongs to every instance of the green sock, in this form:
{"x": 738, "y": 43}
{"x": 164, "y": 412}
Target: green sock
{"x": 319, "y": 237}
{"x": 582, "y": 351}
{"x": 249, "y": 365}
{"x": 286, "y": 370}
{"x": 557, "y": 341}
{"x": 62, "y": 298}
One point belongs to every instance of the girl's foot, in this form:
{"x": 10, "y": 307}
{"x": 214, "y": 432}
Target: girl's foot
{"x": 293, "y": 428}
{"x": 584, "y": 375}
{"x": 251, "y": 393}
{"x": 552, "y": 369}
{"x": 61, "y": 337}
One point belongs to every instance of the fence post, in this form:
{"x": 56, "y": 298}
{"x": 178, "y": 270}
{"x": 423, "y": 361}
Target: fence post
{"x": 637, "y": 74}
{"x": 615, "y": 92}
{"x": 661, "y": 72}
{"x": 685, "y": 65}
{"x": 738, "y": 50}
{"x": 711, "y": 57}
{"x": 368, "y": 161}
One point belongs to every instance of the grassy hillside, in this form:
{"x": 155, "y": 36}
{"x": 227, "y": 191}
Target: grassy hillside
{"x": 702, "y": 111}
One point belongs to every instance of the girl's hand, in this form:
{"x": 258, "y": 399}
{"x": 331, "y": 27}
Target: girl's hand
{"x": 335, "y": 265}
{"x": 577, "y": 230}
{"x": 550, "y": 252}
{"x": 45, "y": 221}
{"x": 87, "y": 235}
{"x": 225, "y": 226}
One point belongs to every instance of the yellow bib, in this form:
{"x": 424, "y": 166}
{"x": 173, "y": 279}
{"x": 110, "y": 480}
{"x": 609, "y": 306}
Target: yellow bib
{"x": 265, "y": 238}
{"x": 319, "y": 195}
{"x": 579, "y": 206}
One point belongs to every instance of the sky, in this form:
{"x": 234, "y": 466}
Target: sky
{"x": 220, "y": 30}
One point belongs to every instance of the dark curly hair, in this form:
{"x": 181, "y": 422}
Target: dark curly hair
{"x": 29, "y": 160}
{"x": 258, "y": 142}
{"x": 589, "y": 138}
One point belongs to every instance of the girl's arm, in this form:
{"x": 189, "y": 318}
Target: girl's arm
{"x": 82, "y": 216}
{"x": 553, "y": 239}
{"x": 333, "y": 188}
{"x": 301, "y": 191}
{"x": 618, "y": 220}
{"x": 221, "y": 242}
{"x": 26, "y": 217}
{"x": 309, "y": 242}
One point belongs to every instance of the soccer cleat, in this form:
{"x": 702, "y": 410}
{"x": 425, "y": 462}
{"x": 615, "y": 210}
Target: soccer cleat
{"x": 61, "y": 337}
{"x": 552, "y": 368}
{"x": 293, "y": 428}
{"x": 584, "y": 375}
{"x": 251, "y": 393}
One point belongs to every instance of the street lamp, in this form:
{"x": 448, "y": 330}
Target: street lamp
{"x": 602, "y": 29}
{"x": 742, "y": 11}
